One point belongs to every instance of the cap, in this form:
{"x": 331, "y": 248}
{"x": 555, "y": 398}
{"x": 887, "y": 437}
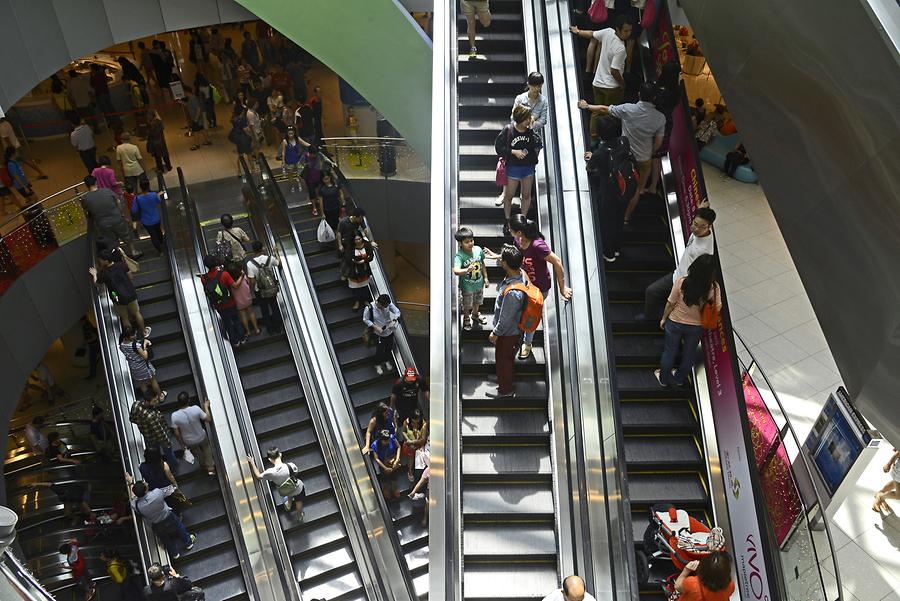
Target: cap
{"x": 410, "y": 374}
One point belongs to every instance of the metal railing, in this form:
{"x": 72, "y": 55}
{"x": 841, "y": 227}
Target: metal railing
{"x": 20, "y": 578}
{"x": 334, "y": 398}
{"x": 360, "y": 157}
{"x": 34, "y": 232}
{"x": 785, "y": 471}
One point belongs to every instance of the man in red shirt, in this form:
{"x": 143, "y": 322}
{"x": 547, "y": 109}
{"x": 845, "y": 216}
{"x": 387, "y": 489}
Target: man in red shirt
{"x": 217, "y": 284}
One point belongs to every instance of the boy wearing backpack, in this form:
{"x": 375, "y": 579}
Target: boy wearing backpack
{"x": 217, "y": 284}
{"x": 517, "y": 310}
{"x": 260, "y": 270}
{"x": 286, "y": 478}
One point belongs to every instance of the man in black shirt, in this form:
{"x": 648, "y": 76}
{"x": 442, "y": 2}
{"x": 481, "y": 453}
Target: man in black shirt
{"x": 117, "y": 279}
{"x": 405, "y": 393}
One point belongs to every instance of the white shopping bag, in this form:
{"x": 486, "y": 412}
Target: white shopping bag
{"x": 188, "y": 456}
{"x": 325, "y": 233}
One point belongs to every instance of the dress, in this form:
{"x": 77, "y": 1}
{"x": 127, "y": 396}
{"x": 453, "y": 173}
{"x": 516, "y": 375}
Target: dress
{"x": 241, "y": 293}
{"x": 141, "y": 369}
{"x": 359, "y": 270}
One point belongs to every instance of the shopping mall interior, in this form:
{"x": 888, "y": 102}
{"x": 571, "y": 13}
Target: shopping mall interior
{"x": 248, "y": 346}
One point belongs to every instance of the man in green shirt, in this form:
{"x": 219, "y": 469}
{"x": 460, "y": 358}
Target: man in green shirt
{"x": 469, "y": 265}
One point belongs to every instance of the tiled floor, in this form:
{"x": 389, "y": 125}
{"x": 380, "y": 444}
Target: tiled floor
{"x": 773, "y": 315}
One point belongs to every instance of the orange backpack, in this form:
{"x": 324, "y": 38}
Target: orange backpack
{"x": 534, "y": 305}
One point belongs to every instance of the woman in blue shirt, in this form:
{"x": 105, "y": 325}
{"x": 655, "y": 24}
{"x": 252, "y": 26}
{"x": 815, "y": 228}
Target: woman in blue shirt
{"x": 146, "y": 208}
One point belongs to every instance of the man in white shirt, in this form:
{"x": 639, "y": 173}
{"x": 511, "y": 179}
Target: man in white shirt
{"x": 645, "y": 128}
{"x": 701, "y": 242}
{"x": 608, "y": 83}
{"x": 383, "y": 317}
{"x": 572, "y": 590}
{"x": 187, "y": 422}
{"x": 265, "y": 287}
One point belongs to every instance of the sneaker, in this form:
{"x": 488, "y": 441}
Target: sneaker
{"x": 473, "y": 52}
{"x": 300, "y": 516}
{"x": 193, "y": 540}
{"x": 379, "y": 370}
{"x": 499, "y": 201}
{"x": 609, "y": 259}
{"x": 656, "y": 373}
{"x": 176, "y": 556}
{"x": 506, "y": 231}
{"x": 467, "y": 323}
{"x": 525, "y": 351}
{"x": 315, "y": 212}
{"x": 147, "y": 331}
{"x": 479, "y": 319}
{"x": 388, "y": 367}
{"x": 418, "y": 496}
{"x": 616, "y": 254}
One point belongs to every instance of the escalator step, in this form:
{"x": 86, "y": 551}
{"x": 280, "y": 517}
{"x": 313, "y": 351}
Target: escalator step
{"x": 501, "y": 461}
{"x": 480, "y": 353}
{"x": 509, "y": 541}
{"x": 510, "y": 499}
{"x": 267, "y": 375}
{"x": 662, "y": 452}
{"x": 343, "y": 585}
{"x": 657, "y": 416}
{"x": 270, "y": 350}
{"x": 639, "y": 382}
{"x": 367, "y": 395}
{"x": 479, "y": 423}
{"x": 323, "y": 566}
{"x": 637, "y": 349}
{"x": 285, "y": 394}
{"x": 290, "y": 418}
{"x": 479, "y": 387}
{"x": 490, "y": 582}
{"x": 489, "y": 42}
{"x": 648, "y": 488}
{"x": 289, "y": 442}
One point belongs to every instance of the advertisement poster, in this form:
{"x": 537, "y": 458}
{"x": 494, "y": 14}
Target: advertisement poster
{"x": 834, "y": 444}
{"x": 725, "y": 390}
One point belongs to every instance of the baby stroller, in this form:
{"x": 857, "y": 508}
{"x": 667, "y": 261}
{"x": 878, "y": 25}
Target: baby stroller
{"x": 674, "y": 535}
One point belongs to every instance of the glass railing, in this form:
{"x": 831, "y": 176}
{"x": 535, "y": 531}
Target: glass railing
{"x": 375, "y": 158}
{"x": 39, "y": 229}
{"x": 415, "y": 317}
{"x": 803, "y": 537}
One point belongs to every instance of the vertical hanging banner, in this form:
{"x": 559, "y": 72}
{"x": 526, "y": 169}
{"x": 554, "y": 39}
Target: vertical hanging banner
{"x": 745, "y": 503}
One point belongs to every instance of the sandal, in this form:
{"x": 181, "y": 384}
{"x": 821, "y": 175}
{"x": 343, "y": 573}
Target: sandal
{"x": 409, "y": 476}
{"x": 479, "y": 318}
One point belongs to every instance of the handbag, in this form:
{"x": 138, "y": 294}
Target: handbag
{"x": 133, "y": 266}
{"x": 368, "y": 337}
{"x": 501, "y": 178}
{"x": 709, "y": 315}
{"x": 597, "y": 11}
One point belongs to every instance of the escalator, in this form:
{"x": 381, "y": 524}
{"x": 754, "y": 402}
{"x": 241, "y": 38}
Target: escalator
{"x": 214, "y": 563}
{"x": 366, "y": 388}
{"x": 320, "y": 551}
{"x": 507, "y": 477}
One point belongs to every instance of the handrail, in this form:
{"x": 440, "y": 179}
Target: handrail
{"x": 229, "y": 441}
{"x": 21, "y": 212}
{"x": 265, "y": 558}
{"x": 445, "y": 502}
{"x": 805, "y": 460}
{"x": 122, "y": 397}
{"x": 589, "y": 415}
{"x": 391, "y": 562}
{"x": 20, "y": 577}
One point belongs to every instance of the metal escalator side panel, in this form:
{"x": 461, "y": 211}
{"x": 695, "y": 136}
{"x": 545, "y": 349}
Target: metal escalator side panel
{"x": 445, "y": 503}
{"x": 383, "y": 568}
{"x": 592, "y": 411}
{"x": 262, "y": 567}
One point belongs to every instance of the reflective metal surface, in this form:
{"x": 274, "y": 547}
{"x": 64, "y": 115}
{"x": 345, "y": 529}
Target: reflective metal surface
{"x": 387, "y": 572}
{"x": 821, "y": 130}
{"x": 445, "y": 517}
{"x": 21, "y": 579}
{"x": 263, "y": 559}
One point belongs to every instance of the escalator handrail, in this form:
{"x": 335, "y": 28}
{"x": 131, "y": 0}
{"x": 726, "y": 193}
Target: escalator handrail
{"x": 21, "y": 578}
{"x": 392, "y": 565}
{"x": 243, "y": 507}
{"x": 122, "y": 397}
{"x": 279, "y": 554}
{"x": 445, "y": 502}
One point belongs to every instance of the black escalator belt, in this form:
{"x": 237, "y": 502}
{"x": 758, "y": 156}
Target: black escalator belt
{"x": 365, "y": 386}
{"x": 321, "y": 553}
{"x": 507, "y": 480}
{"x": 214, "y": 562}
{"x": 664, "y": 461}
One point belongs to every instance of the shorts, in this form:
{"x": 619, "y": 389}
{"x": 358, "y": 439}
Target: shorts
{"x": 472, "y": 7}
{"x": 643, "y": 169}
{"x": 119, "y": 231}
{"x": 289, "y": 168}
{"x": 519, "y": 172}
{"x": 472, "y": 300}
{"x": 313, "y": 188}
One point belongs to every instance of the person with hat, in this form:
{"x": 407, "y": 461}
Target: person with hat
{"x": 167, "y": 585}
{"x": 405, "y": 393}
{"x": 386, "y": 454}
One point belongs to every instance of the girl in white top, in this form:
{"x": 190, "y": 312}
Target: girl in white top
{"x": 535, "y": 100}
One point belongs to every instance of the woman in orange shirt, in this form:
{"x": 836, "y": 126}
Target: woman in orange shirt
{"x": 706, "y": 580}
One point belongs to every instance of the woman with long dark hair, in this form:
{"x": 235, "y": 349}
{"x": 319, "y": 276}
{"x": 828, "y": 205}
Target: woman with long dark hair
{"x": 383, "y": 418}
{"x": 706, "y": 580}
{"x": 537, "y": 257}
{"x": 682, "y": 317}
{"x": 519, "y": 146}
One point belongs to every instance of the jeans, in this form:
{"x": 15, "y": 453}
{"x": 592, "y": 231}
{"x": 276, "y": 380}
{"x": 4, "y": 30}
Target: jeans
{"x": 655, "y": 297}
{"x": 529, "y": 336}
{"x": 271, "y": 316}
{"x": 156, "y": 237}
{"x": 383, "y": 349}
{"x": 172, "y": 532}
{"x": 675, "y": 333}
{"x": 89, "y": 158}
{"x": 505, "y": 361}
{"x": 234, "y": 329}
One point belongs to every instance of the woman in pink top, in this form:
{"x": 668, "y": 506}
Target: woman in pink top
{"x": 106, "y": 177}
{"x": 682, "y": 317}
{"x": 243, "y": 299}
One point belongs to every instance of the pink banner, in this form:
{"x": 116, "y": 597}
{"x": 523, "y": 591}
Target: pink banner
{"x": 729, "y": 411}
{"x": 772, "y": 462}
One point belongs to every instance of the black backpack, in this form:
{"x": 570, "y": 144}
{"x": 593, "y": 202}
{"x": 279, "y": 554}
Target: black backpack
{"x": 622, "y": 167}
{"x": 215, "y": 291}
